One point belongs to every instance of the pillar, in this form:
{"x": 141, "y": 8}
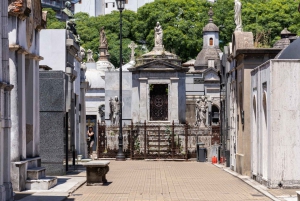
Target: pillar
{"x": 143, "y": 99}
{"x": 18, "y": 118}
{"x": 173, "y": 100}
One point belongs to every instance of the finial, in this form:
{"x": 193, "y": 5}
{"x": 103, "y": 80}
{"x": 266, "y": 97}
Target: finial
{"x": 210, "y": 14}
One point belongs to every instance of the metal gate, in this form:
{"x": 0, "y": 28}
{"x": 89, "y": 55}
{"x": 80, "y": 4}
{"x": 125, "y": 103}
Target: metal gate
{"x": 158, "y": 102}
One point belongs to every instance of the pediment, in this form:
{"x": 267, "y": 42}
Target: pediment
{"x": 211, "y": 74}
{"x": 159, "y": 65}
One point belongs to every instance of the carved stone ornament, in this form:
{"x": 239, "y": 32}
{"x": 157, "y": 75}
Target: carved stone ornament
{"x": 18, "y": 8}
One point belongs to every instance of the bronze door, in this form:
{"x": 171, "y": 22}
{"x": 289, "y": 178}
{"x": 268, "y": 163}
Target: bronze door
{"x": 158, "y": 102}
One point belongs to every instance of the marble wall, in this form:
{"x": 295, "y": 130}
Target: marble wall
{"x": 274, "y": 121}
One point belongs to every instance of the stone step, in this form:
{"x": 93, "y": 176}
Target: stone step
{"x": 156, "y": 145}
{"x": 41, "y": 184}
{"x": 36, "y": 173}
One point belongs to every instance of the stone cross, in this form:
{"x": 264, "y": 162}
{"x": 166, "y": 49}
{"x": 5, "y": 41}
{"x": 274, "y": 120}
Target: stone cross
{"x": 132, "y": 46}
{"x": 210, "y": 14}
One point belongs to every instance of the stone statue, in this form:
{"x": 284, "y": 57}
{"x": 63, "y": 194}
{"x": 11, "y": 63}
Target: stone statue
{"x": 158, "y": 37}
{"x": 103, "y": 40}
{"x": 70, "y": 23}
{"x": 82, "y": 52}
{"x": 114, "y": 106}
{"x": 201, "y": 109}
{"x": 89, "y": 56}
{"x": 238, "y": 15}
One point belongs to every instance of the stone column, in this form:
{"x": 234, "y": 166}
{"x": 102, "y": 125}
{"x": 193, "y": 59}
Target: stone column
{"x": 18, "y": 113}
{"x": 173, "y": 100}
{"x": 143, "y": 99}
{"x": 30, "y": 96}
{"x": 7, "y": 139}
{"x": 37, "y": 109}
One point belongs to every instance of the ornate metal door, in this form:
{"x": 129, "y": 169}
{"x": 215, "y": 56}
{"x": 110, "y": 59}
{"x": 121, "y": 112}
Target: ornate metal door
{"x": 159, "y": 102}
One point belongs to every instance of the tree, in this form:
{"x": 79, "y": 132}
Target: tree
{"x": 52, "y": 21}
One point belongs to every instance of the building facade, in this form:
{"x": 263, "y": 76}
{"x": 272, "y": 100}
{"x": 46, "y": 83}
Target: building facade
{"x": 103, "y": 7}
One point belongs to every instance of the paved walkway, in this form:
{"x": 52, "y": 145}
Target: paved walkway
{"x": 159, "y": 180}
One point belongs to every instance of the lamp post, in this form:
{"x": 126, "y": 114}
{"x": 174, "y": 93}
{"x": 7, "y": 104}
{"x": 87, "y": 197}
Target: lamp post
{"x": 120, "y": 156}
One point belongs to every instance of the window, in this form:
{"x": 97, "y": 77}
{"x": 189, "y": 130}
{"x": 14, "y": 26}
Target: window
{"x": 113, "y": 4}
{"x": 106, "y": 5}
{"x": 211, "y": 41}
{"x": 126, "y": 2}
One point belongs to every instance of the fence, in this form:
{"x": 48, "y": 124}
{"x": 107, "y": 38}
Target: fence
{"x": 153, "y": 141}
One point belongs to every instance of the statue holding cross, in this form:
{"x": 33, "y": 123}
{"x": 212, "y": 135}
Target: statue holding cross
{"x": 132, "y": 46}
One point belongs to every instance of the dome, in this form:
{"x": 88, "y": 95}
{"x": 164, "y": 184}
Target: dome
{"x": 94, "y": 77}
{"x": 105, "y": 65}
{"x": 125, "y": 67}
{"x": 206, "y": 54}
{"x": 211, "y": 27}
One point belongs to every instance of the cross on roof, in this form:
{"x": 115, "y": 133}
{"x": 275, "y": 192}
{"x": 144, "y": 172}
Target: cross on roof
{"x": 132, "y": 46}
{"x": 210, "y": 14}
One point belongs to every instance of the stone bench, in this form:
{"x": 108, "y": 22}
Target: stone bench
{"x": 96, "y": 172}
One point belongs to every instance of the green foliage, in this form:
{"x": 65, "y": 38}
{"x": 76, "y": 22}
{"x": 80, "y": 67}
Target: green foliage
{"x": 183, "y": 22}
{"x": 52, "y": 21}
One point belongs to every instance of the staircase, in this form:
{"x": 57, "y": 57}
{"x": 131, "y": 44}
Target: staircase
{"x": 159, "y": 144}
{"x": 36, "y": 176}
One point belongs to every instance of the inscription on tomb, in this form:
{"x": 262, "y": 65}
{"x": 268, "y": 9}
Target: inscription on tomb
{"x": 198, "y": 80}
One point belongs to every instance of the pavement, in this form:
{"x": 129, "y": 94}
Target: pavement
{"x": 137, "y": 180}
{"x": 274, "y": 194}
{"x": 167, "y": 180}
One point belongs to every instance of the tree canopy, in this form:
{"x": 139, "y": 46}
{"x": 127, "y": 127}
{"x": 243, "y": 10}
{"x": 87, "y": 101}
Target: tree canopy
{"x": 183, "y": 21}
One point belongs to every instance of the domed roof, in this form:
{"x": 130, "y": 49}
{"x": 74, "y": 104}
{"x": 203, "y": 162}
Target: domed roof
{"x": 125, "y": 67}
{"x": 210, "y": 27}
{"x": 285, "y": 31}
{"x": 105, "y": 65}
{"x": 210, "y": 53}
{"x": 95, "y": 78}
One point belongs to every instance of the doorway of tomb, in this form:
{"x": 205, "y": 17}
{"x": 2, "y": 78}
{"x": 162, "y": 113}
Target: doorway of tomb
{"x": 158, "y": 102}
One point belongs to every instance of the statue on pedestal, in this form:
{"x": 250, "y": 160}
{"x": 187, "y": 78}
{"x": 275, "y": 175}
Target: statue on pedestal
{"x": 158, "y": 35}
{"x": 114, "y": 106}
{"x": 103, "y": 40}
{"x": 238, "y": 15}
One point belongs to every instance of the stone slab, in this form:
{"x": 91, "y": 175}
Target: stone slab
{"x": 41, "y": 184}
{"x": 96, "y": 164}
{"x": 298, "y": 195}
{"x": 51, "y": 142}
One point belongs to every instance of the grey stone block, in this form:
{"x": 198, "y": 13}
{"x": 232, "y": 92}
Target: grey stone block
{"x": 52, "y": 91}
{"x": 51, "y": 142}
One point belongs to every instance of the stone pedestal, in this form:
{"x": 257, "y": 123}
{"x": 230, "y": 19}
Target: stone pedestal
{"x": 96, "y": 172}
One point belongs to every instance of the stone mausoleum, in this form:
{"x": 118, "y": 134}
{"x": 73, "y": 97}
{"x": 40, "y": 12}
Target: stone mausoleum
{"x": 161, "y": 93}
